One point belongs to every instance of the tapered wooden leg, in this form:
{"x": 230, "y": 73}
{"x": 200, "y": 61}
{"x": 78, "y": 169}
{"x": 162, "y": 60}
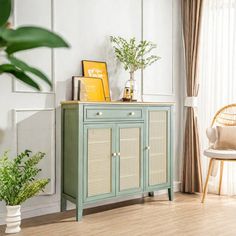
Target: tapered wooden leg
{"x": 221, "y": 174}
{"x": 206, "y": 184}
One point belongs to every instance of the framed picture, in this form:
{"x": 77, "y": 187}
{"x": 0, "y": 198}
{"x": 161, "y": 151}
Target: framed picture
{"x": 97, "y": 69}
{"x": 87, "y": 89}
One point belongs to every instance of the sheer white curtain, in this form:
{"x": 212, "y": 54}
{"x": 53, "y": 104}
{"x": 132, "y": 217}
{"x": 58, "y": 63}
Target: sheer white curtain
{"x": 217, "y": 76}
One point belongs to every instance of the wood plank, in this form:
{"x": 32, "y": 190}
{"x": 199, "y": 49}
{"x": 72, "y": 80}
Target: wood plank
{"x": 185, "y": 216}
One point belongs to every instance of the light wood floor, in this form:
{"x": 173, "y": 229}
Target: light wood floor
{"x": 185, "y": 216}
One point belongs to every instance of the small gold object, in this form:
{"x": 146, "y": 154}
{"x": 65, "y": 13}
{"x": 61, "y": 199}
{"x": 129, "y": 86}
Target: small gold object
{"x": 127, "y": 95}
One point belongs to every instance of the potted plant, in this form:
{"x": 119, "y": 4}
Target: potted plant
{"x": 18, "y": 183}
{"x": 20, "y": 39}
{"x": 133, "y": 56}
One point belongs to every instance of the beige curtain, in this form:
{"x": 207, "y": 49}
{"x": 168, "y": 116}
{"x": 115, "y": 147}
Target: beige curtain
{"x": 192, "y": 176}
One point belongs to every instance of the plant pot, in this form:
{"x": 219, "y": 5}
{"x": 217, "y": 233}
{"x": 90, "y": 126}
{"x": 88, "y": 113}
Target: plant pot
{"x": 13, "y": 219}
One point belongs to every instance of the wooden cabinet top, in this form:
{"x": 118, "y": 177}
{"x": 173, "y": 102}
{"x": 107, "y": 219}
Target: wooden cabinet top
{"x": 119, "y": 103}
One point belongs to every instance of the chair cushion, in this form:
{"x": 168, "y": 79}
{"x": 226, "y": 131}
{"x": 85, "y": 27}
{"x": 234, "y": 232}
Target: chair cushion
{"x": 220, "y": 154}
{"x": 226, "y": 137}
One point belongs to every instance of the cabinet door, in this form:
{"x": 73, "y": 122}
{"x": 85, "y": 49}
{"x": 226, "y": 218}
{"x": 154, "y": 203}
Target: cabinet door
{"x": 129, "y": 158}
{"x": 99, "y": 163}
{"x": 158, "y": 148}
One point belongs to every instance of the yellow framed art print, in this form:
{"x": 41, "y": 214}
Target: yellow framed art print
{"x": 97, "y": 69}
{"x": 87, "y": 89}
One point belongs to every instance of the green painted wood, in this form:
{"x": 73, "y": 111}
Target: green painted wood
{"x": 171, "y": 147}
{"x": 79, "y": 164}
{"x": 63, "y": 200}
{"x": 77, "y": 119}
{"x": 69, "y": 198}
{"x": 96, "y": 113}
{"x": 70, "y": 152}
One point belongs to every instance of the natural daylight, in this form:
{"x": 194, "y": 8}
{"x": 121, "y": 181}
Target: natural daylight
{"x": 118, "y": 117}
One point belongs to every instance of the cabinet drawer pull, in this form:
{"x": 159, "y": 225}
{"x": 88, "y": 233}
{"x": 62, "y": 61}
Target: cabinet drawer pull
{"x": 99, "y": 113}
{"x": 131, "y": 113}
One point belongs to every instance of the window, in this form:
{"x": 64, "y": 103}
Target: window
{"x": 217, "y": 75}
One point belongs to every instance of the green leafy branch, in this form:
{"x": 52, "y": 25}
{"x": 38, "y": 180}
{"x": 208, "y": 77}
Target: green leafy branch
{"x": 134, "y": 55}
{"x": 20, "y": 39}
{"x": 17, "y": 177}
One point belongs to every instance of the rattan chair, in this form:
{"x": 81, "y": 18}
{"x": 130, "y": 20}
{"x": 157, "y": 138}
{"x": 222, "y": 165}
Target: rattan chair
{"x": 226, "y": 116}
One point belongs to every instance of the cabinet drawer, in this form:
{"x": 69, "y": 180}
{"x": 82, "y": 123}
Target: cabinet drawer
{"x": 112, "y": 113}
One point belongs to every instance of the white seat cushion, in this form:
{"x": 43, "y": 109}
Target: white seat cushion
{"x": 220, "y": 154}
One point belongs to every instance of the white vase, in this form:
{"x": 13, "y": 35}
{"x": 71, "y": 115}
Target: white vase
{"x": 13, "y": 219}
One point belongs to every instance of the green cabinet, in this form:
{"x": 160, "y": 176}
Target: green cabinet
{"x": 117, "y": 149}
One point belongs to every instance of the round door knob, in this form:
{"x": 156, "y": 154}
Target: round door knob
{"x": 148, "y": 147}
{"x": 131, "y": 113}
{"x": 114, "y": 154}
{"x": 99, "y": 113}
{"x": 118, "y": 154}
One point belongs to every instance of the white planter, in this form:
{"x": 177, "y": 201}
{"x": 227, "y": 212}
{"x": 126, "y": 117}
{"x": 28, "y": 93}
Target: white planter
{"x": 13, "y": 219}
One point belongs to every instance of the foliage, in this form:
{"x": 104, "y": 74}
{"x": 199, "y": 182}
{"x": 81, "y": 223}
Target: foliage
{"x": 134, "y": 55}
{"x": 17, "y": 177}
{"x": 20, "y": 39}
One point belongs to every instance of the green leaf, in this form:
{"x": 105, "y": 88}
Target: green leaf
{"x": 3, "y": 43}
{"x": 5, "y": 11}
{"x": 24, "y": 67}
{"x": 31, "y": 190}
{"x": 17, "y": 182}
{"x": 131, "y": 53}
{"x": 11, "y": 69}
{"x": 31, "y": 37}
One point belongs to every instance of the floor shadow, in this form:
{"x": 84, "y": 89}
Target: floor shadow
{"x": 69, "y": 216}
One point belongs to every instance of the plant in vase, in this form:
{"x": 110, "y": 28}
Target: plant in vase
{"x": 134, "y": 56}
{"x": 18, "y": 183}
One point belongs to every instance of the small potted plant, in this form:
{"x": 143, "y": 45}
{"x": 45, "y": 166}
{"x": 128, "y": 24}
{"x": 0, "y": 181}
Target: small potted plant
{"x": 18, "y": 183}
{"x": 133, "y": 56}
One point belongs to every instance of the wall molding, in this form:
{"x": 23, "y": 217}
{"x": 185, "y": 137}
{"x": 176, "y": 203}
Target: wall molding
{"x": 172, "y": 94}
{"x": 53, "y": 150}
{"x": 52, "y": 56}
{"x": 177, "y": 188}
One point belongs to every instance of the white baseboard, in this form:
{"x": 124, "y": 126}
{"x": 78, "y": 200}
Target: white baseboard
{"x": 54, "y": 207}
{"x": 177, "y": 188}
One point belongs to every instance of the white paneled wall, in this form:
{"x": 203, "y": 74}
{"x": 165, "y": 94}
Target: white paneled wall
{"x": 94, "y": 22}
{"x": 162, "y": 70}
{"x": 27, "y": 118}
{"x": 32, "y": 120}
{"x": 40, "y": 15}
{"x": 35, "y": 130}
